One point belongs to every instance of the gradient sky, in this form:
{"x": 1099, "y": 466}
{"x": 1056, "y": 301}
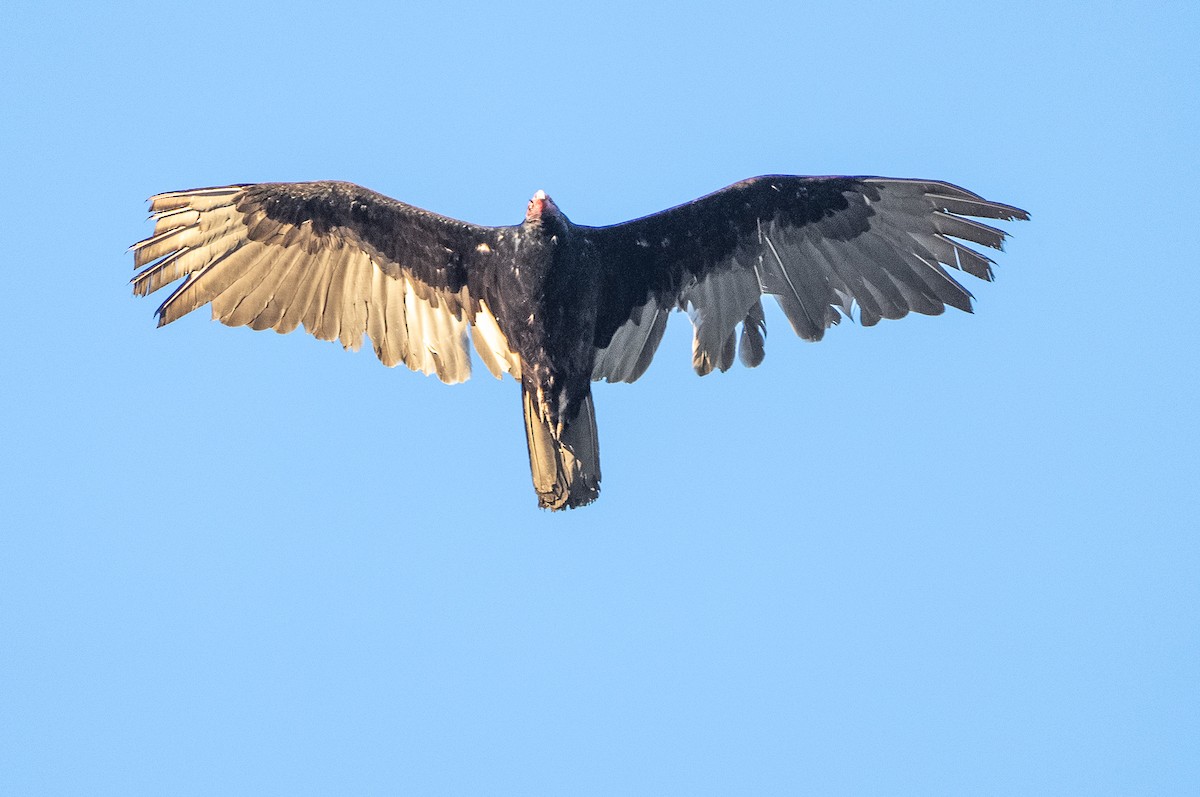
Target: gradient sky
{"x": 952, "y": 555}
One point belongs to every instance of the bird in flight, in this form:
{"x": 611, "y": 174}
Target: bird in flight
{"x": 558, "y": 305}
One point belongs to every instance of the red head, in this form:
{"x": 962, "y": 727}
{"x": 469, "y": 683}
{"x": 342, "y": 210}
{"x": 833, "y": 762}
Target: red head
{"x": 538, "y": 205}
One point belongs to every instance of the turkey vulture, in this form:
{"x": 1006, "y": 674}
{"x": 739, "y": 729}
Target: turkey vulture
{"x": 558, "y": 305}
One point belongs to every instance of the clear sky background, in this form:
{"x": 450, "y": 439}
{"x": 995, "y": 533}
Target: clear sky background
{"x": 952, "y": 555}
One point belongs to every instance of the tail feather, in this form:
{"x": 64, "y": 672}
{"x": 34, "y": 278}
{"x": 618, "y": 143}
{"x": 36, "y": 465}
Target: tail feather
{"x": 565, "y": 462}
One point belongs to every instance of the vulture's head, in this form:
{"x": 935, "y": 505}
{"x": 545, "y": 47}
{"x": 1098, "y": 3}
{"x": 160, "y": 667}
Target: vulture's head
{"x": 541, "y": 209}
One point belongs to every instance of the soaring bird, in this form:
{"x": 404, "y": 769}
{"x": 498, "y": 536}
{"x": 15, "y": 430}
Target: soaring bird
{"x": 559, "y": 305}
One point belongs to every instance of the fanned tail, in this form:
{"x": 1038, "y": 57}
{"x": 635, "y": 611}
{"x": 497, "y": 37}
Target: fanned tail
{"x": 565, "y": 465}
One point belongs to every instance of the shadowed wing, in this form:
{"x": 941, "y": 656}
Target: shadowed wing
{"x": 339, "y": 259}
{"x": 819, "y": 245}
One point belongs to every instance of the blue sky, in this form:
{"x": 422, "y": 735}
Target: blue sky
{"x": 952, "y": 555}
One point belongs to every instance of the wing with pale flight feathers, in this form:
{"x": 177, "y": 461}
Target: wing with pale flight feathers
{"x": 336, "y": 258}
{"x": 819, "y": 245}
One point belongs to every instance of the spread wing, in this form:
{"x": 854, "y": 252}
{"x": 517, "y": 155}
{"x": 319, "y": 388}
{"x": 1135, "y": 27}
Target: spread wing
{"x": 335, "y": 257}
{"x": 818, "y": 245}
